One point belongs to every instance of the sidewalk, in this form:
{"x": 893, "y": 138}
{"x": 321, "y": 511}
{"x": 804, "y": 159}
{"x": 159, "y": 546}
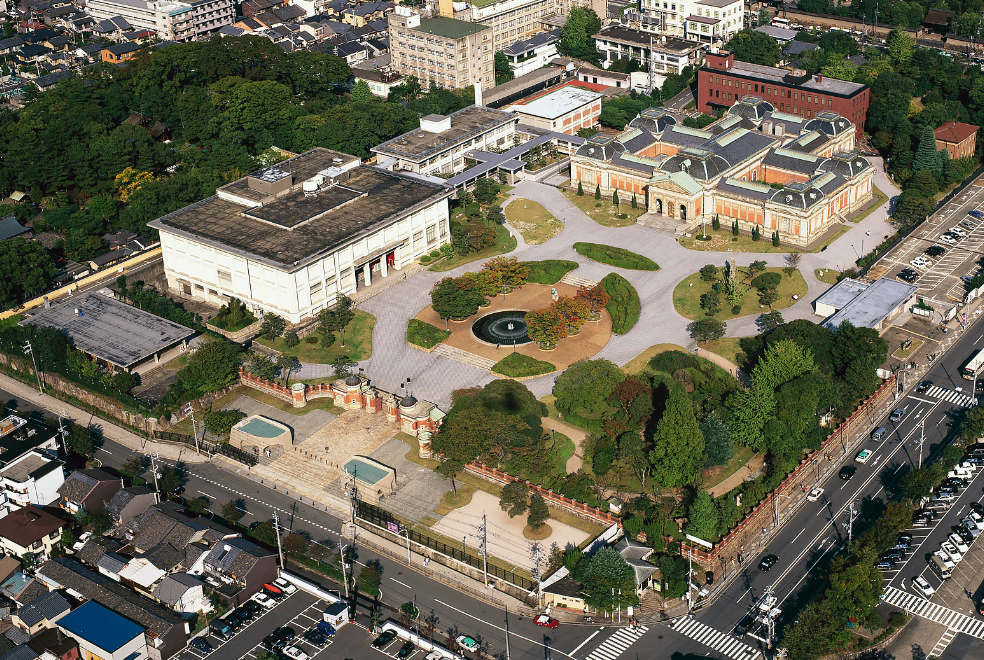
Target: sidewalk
{"x": 138, "y": 444}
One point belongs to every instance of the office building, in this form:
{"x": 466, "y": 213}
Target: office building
{"x": 666, "y": 55}
{"x": 567, "y": 110}
{"x": 444, "y": 51}
{"x": 170, "y": 19}
{"x": 707, "y": 21}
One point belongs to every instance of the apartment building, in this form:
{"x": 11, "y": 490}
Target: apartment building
{"x": 707, "y": 21}
{"x": 170, "y": 19}
{"x": 33, "y": 478}
{"x": 445, "y": 51}
{"x": 510, "y": 20}
{"x": 667, "y": 55}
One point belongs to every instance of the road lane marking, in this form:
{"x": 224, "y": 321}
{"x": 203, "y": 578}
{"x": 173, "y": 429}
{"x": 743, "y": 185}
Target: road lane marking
{"x": 590, "y": 637}
{"x": 403, "y": 583}
{"x": 800, "y": 534}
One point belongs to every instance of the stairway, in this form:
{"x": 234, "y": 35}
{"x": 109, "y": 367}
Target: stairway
{"x": 577, "y": 280}
{"x": 465, "y": 357}
{"x": 380, "y": 283}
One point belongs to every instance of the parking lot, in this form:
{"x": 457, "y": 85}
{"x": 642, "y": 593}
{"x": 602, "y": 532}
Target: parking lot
{"x": 393, "y": 648}
{"x": 301, "y": 611}
{"x": 938, "y": 277}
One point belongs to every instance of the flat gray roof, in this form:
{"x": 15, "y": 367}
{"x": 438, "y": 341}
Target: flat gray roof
{"x": 419, "y": 144}
{"x": 556, "y": 104}
{"x": 771, "y": 74}
{"x": 642, "y": 39}
{"x": 109, "y": 329}
{"x": 842, "y": 293}
{"x": 870, "y": 307}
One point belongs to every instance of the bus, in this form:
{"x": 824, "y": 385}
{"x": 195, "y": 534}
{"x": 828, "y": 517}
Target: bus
{"x": 781, "y": 23}
{"x": 973, "y": 366}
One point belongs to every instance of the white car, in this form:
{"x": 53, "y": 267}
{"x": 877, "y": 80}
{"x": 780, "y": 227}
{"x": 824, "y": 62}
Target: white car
{"x": 976, "y": 517}
{"x": 814, "y": 495}
{"x": 863, "y": 455}
{"x": 434, "y": 655}
{"x": 919, "y": 584}
{"x": 284, "y": 585}
{"x": 945, "y": 558}
{"x": 295, "y": 653}
{"x": 958, "y": 231}
{"x": 959, "y": 542}
{"x": 263, "y": 599}
{"x": 948, "y": 548}
{"x": 82, "y": 541}
{"x": 948, "y": 239}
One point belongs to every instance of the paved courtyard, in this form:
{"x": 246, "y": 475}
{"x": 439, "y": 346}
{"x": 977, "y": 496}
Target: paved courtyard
{"x": 304, "y": 426}
{"x": 435, "y": 377}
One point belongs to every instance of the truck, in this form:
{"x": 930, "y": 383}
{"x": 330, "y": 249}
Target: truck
{"x": 973, "y": 366}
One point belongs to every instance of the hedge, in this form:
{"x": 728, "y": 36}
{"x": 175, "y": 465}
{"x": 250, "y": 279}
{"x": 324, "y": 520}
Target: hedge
{"x": 624, "y": 305}
{"x": 549, "y": 271}
{"x": 615, "y": 256}
{"x": 517, "y": 365}
{"x": 421, "y": 333}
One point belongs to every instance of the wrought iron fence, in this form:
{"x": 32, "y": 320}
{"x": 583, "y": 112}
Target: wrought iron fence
{"x": 383, "y": 518}
{"x": 235, "y": 453}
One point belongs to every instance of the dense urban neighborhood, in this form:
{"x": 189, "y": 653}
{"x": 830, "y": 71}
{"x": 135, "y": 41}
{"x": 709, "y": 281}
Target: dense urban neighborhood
{"x": 451, "y": 330}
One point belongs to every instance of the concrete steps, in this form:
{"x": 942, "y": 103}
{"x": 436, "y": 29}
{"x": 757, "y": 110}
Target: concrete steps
{"x": 381, "y": 284}
{"x": 465, "y": 357}
{"x": 577, "y": 280}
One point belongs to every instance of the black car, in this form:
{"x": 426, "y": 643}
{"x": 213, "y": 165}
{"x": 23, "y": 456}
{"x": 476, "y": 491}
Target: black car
{"x": 273, "y": 643}
{"x": 977, "y": 508}
{"x": 945, "y": 489}
{"x": 936, "y": 251}
{"x": 252, "y": 607}
{"x": 908, "y": 275}
{"x": 885, "y": 565}
{"x": 956, "y": 482}
{"x": 285, "y": 633}
{"x": 893, "y": 555}
{"x": 924, "y": 386}
{"x": 768, "y": 562}
{"x": 923, "y": 516}
{"x": 201, "y": 644}
{"x": 234, "y": 621}
{"x": 383, "y": 639}
{"x": 244, "y": 614}
{"x": 847, "y": 472}
{"x": 964, "y": 533}
{"x": 744, "y": 625}
{"x": 405, "y": 650}
{"x": 315, "y": 637}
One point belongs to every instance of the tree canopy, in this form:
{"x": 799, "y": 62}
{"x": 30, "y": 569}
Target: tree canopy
{"x": 755, "y": 47}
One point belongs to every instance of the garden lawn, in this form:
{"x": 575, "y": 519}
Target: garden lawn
{"x": 615, "y": 256}
{"x": 726, "y": 347}
{"x": 686, "y": 295}
{"x": 358, "y": 342}
{"x": 722, "y": 241}
{"x": 534, "y": 222}
{"x": 549, "y": 271}
{"x": 423, "y": 334}
{"x": 624, "y": 305}
{"x": 829, "y": 276}
{"x": 517, "y": 365}
{"x": 603, "y": 211}
{"x": 711, "y": 477}
{"x": 504, "y": 243}
{"x": 641, "y": 361}
{"x": 877, "y": 199}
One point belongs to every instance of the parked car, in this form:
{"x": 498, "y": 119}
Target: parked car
{"x": 295, "y": 653}
{"x": 950, "y": 549}
{"x": 285, "y": 633}
{"x": 234, "y": 621}
{"x": 864, "y": 455}
{"x": 78, "y": 545}
{"x": 467, "y": 642}
{"x": 405, "y": 650}
{"x": 893, "y": 555}
{"x": 768, "y": 562}
{"x": 964, "y": 533}
{"x": 273, "y": 643}
{"x": 905, "y": 536}
{"x": 221, "y": 629}
{"x": 976, "y": 214}
{"x": 847, "y": 472}
{"x": 815, "y": 494}
{"x": 945, "y": 558}
{"x": 545, "y": 621}
{"x": 262, "y": 599}
{"x": 922, "y": 586}
{"x": 201, "y": 644}
{"x": 284, "y": 585}
{"x": 253, "y": 607}
{"x": 273, "y": 592}
{"x": 907, "y": 275}
{"x": 243, "y": 614}
{"x": 384, "y": 639}
{"x": 884, "y": 565}
{"x": 936, "y": 250}
{"x": 325, "y": 629}
{"x": 960, "y": 544}
{"x": 897, "y": 414}
{"x": 959, "y": 231}
{"x": 315, "y": 637}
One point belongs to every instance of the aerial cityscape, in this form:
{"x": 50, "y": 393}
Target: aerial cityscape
{"x": 491, "y": 329}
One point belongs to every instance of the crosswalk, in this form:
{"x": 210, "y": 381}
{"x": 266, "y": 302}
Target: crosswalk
{"x": 717, "y": 640}
{"x": 960, "y": 623}
{"x": 944, "y": 642}
{"x": 950, "y": 396}
{"x": 617, "y": 644}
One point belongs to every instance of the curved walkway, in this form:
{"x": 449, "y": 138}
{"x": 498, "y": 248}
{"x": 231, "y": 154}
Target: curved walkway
{"x": 435, "y": 378}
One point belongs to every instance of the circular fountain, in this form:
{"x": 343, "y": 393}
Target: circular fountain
{"x": 504, "y": 328}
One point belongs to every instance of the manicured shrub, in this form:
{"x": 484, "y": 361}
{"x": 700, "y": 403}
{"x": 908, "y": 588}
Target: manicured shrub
{"x": 598, "y": 192}
{"x": 767, "y": 281}
{"x": 716, "y": 223}
{"x": 580, "y": 189}
{"x": 614, "y": 256}
{"x": 624, "y": 306}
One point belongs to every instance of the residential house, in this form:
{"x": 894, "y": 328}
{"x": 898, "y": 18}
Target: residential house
{"x": 119, "y": 53}
{"x": 362, "y": 13}
{"x": 532, "y": 53}
{"x": 352, "y": 52}
{"x": 104, "y": 634}
{"x": 635, "y": 555}
{"x": 129, "y": 502}
{"x": 959, "y": 139}
{"x": 183, "y": 593}
{"x": 88, "y": 489}
{"x": 33, "y": 478}
{"x": 166, "y": 632}
{"x": 563, "y": 592}
{"x": 30, "y": 530}
{"x": 238, "y": 568}
{"x": 54, "y": 644}
{"x": 41, "y": 613}
{"x": 380, "y": 81}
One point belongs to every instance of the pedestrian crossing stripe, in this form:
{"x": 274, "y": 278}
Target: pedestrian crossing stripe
{"x": 944, "y": 642}
{"x": 717, "y": 640}
{"x": 921, "y": 607}
{"x": 617, "y": 644}
{"x": 951, "y": 396}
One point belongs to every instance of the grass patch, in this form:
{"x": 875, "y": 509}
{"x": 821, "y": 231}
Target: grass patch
{"x": 624, "y": 305}
{"x": 450, "y": 502}
{"x": 877, "y": 199}
{"x": 534, "y": 222}
{"x": 711, "y": 477}
{"x": 421, "y": 333}
{"x": 517, "y": 365}
{"x": 615, "y": 256}
{"x": 503, "y": 243}
{"x": 686, "y": 295}
{"x": 903, "y": 354}
{"x": 722, "y": 241}
{"x": 538, "y": 533}
{"x": 314, "y": 404}
{"x": 603, "y": 211}
{"x": 640, "y": 362}
{"x": 829, "y": 276}
{"x": 549, "y": 271}
{"x": 727, "y": 347}
{"x": 358, "y": 342}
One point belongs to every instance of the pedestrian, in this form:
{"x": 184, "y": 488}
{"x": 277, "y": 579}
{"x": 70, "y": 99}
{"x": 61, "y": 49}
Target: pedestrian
{"x": 404, "y": 277}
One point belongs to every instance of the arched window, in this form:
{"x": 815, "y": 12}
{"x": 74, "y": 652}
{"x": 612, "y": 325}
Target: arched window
{"x": 683, "y": 212}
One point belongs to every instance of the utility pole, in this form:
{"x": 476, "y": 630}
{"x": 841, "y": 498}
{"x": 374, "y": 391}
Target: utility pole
{"x": 276, "y": 528}
{"x": 406, "y": 530}
{"x": 483, "y": 548}
{"x": 61, "y": 431}
{"x": 770, "y": 624}
{"x": 506, "y": 608}
{"x": 535, "y": 550}
{"x": 922, "y": 438}
{"x": 850, "y": 527}
{"x": 344, "y": 574}
{"x": 690, "y": 579}
{"x": 194, "y": 426}
{"x": 27, "y": 348}
{"x": 153, "y": 468}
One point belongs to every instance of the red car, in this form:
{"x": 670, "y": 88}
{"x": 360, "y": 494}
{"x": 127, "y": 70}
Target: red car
{"x": 545, "y": 621}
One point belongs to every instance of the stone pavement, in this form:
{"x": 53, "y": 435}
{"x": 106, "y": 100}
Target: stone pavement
{"x": 435, "y": 377}
{"x": 576, "y": 435}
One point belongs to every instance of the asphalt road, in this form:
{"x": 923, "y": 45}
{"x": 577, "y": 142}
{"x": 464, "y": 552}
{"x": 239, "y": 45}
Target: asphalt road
{"x": 818, "y": 530}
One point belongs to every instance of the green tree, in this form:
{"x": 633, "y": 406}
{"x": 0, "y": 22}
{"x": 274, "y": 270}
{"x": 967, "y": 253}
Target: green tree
{"x": 503, "y": 73}
{"x": 67, "y": 539}
{"x": 198, "y": 505}
{"x": 212, "y": 366}
{"x": 900, "y": 46}
{"x": 515, "y": 498}
{"x": 855, "y": 589}
{"x": 291, "y": 339}
{"x": 580, "y": 189}
{"x": 768, "y": 295}
{"x": 603, "y": 573}
{"x": 449, "y": 469}
{"x": 361, "y": 93}
{"x": 709, "y": 273}
{"x": 369, "y": 579}
{"x": 169, "y": 480}
{"x": 26, "y": 269}
{"x": 231, "y": 512}
{"x": 80, "y": 440}
{"x": 539, "y": 513}
{"x": 717, "y": 440}
{"x": 576, "y": 36}
{"x": 598, "y": 191}
{"x": 451, "y": 298}
{"x": 272, "y": 326}
{"x": 220, "y": 422}
{"x": 750, "y": 410}
{"x": 704, "y": 330}
{"x": 101, "y": 523}
{"x": 259, "y": 365}
{"x": 678, "y": 446}
{"x": 133, "y": 467}
{"x": 755, "y": 47}
{"x": 770, "y": 320}
{"x": 585, "y": 386}
{"x": 295, "y": 544}
{"x": 841, "y": 68}
{"x": 703, "y": 517}
{"x": 927, "y": 157}
{"x": 781, "y": 362}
